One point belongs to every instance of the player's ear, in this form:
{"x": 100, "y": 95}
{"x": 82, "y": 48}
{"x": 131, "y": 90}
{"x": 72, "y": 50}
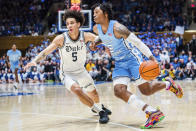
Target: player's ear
{"x": 106, "y": 15}
{"x": 78, "y": 24}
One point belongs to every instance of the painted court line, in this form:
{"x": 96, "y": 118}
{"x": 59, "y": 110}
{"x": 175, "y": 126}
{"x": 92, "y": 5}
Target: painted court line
{"x": 75, "y": 117}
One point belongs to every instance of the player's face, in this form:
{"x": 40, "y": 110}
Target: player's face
{"x": 14, "y": 47}
{"x": 99, "y": 16}
{"x": 72, "y": 25}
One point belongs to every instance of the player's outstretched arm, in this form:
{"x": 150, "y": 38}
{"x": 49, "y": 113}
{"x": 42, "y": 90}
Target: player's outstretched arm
{"x": 94, "y": 39}
{"x": 57, "y": 42}
{"x": 120, "y": 31}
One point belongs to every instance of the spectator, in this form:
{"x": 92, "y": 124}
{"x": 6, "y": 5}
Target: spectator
{"x": 191, "y": 69}
{"x": 90, "y": 65}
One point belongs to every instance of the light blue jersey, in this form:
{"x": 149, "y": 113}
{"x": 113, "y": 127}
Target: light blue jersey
{"x": 127, "y": 57}
{"x": 14, "y": 57}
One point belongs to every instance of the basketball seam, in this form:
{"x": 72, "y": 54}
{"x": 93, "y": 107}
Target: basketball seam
{"x": 150, "y": 70}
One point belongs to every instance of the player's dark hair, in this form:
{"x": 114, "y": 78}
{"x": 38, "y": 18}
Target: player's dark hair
{"x": 106, "y": 8}
{"x": 74, "y": 14}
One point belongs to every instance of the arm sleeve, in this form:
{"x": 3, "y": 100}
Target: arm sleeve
{"x": 139, "y": 44}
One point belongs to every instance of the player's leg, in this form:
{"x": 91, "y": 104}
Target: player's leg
{"x": 120, "y": 88}
{"x": 86, "y": 82}
{"x": 73, "y": 86}
{"x": 15, "y": 71}
{"x": 149, "y": 88}
{"x": 16, "y": 74}
{"x": 81, "y": 95}
{"x": 95, "y": 97}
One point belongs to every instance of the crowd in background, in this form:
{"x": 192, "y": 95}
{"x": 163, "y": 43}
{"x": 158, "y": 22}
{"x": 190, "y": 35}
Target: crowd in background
{"x": 23, "y": 17}
{"x": 177, "y": 60}
{"x": 137, "y": 15}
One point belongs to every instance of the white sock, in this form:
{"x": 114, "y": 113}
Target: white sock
{"x": 139, "y": 104}
{"x": 96, "y": 108}
{"x": 99, "y": 104}
{"x": 136, "y": 102}
{"x": 167, "y": 84}
{"x": 150, "y": 109}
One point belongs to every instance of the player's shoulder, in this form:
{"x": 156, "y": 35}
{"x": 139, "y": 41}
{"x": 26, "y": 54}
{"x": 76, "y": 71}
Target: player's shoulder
{"x": 95, "y": 29}
{"x": 9, "y": 52}
{"x": 118, "y": 25}
{"x": 59, "y": 39}
{"x": 18, "y": 51}
{"x": 120, "y": 30}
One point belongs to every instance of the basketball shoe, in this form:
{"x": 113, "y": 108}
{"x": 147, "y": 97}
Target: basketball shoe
{"x": 105, "y": 109}
{"x": 176, "y": 89}
{"x": 153, "y": 118}
{"x": 103, "y": 117}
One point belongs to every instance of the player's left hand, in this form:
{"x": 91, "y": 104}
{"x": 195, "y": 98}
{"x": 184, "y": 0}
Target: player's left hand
{"x": 92, "y": 46}
{"x": 29, "y": 65}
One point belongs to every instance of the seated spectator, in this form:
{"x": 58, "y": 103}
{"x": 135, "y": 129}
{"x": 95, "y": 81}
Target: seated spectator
{"x": 180, "y": 73}
{"x": 175, "y": 63}
{"x": 94, "y": 73}
{"x": 184, "y": 57}
{"x": 42, "y": 77}
{"x": 191, "y": 69}
{"x": 164, "y": 57}
{"x": 34, "y": 76}
{"x": 90, "y": 65}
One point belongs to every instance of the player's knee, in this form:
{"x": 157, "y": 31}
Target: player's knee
{"x": 76, "y": 89}
{"x": 119, "y": 90}
{"x": 145, "y": 90}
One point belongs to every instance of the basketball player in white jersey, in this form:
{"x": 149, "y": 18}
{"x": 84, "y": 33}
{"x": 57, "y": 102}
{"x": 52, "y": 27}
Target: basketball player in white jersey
{"x": 72, "y": 49}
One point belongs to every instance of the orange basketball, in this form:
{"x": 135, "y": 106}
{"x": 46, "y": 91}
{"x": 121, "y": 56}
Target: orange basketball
{"x": 149, "y": 70}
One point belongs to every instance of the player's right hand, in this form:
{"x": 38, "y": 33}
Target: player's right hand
{"x": 29, "y": 65}
{"x": 92, "y": 46}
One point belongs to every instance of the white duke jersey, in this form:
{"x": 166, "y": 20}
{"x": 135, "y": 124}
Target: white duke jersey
{"x": 73, "y": 54}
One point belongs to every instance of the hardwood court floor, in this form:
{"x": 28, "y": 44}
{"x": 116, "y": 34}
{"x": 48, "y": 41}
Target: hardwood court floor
{"x": 56, "y": 109}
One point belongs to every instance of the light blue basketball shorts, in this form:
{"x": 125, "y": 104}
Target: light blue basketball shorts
{"x": 14, "y": 66}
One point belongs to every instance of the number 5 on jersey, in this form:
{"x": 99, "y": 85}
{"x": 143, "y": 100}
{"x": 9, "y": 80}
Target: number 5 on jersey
{"x": 74, "y": 55}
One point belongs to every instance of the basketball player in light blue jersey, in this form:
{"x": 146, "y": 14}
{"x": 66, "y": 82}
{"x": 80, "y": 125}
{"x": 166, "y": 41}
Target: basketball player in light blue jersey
{"x": 14, "y": 58}
{"x": 124, "y": 47}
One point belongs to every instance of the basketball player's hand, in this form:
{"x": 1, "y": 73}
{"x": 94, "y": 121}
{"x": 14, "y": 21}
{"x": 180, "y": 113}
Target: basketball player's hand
{"x": 153, "y": 59}
{"x": 92, "y": 46}
{"x": 29, "y": 65}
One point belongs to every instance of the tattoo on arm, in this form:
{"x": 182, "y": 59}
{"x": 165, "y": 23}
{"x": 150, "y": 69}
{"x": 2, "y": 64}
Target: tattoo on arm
{"x": 122, "y": 30}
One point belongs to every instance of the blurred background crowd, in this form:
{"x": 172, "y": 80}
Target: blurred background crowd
{"x": 177, "y": 60}
{"x": 147, "y": 17}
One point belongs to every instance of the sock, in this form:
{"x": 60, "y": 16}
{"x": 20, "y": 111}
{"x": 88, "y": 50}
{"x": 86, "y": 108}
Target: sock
{"x": 136, "y": 102}
{"x": 150, "y": 109}
{"x": 99, "y": 104}
{"x": 96, "y": 108}
{"x": 167, "y": 85}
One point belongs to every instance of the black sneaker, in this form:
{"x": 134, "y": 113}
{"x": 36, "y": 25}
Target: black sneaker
{"x": 106, "y": 110}
{"x": 103, "y": 117}
{"x": 93, "y": 111}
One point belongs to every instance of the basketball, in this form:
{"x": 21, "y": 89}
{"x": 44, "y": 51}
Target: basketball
{"x": 149, "y": 70}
